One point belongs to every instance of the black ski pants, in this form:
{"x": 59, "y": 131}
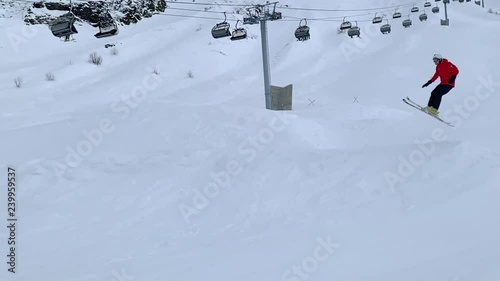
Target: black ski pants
{"x": 437, "y": 94}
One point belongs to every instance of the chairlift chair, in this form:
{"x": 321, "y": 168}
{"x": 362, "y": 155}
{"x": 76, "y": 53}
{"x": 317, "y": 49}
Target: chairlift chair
{"x": 238, "y": 33}
{"x": 63, "y": 25}
{"x": 107, "y": 27}
{"x": 427, "y": 4}
{"x": 407, "y": 23}
{"x": 221, "y": 30}
{"x": 302, "y": 32}
{"x": 354, "y": 31}
{"x": 396, "y": 15}
{"x": 414, "y": 10}
{"x": 435, "y": 9}
{"x": 376, "y": 19}
{"x": 385, "y": 29}
{"x": 423, "y": 17}
{"x": 345, "y": 25}
{"x": 252, "y": 17}
{"x": 274, "y": 15}
{"x": 251, "y": 20}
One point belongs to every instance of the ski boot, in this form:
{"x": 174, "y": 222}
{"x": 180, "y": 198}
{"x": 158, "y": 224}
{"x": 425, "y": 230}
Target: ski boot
{"x": 431, "y": 110}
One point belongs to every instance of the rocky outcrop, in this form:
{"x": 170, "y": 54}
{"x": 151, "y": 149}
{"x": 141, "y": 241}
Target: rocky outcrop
{"x": 131, "y": 11}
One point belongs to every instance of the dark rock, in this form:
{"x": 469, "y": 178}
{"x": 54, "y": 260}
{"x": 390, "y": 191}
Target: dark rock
{"x": 56, "y": 6}
{"x": 132, "y": 10}
{"x": 38, "y": 5}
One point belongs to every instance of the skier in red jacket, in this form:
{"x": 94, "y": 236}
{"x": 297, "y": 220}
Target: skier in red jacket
{"x": 448, "y": 72}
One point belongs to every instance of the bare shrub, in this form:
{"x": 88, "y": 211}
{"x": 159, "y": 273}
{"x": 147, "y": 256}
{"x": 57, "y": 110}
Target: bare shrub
{"x": 18, "y": 82}
{"x": 95, "y": 59}
{"x": 50, "y": 76}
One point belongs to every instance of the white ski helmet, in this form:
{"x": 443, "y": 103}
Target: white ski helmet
{"x": 438, "y": 57}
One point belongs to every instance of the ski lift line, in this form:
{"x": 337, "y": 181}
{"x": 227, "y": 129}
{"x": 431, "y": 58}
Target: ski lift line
{"x": 194, "y": 17}
{"x": 323, "y": 20}
{"x": 352, "y": 10}
{"x": 239, "y": 14}
{"x": 208, "y": 4}
{"x": 333, "y": 19}
{"x": 303, "y": 9}
{"x": 201, "y": 11}
{"x": 284, "y": 19}
{"x": 383, "y": 12}
{"x": 330, "y": 18}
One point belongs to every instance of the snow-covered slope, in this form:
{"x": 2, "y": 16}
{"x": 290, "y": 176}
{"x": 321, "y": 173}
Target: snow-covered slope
{"x": 163, "y": 163}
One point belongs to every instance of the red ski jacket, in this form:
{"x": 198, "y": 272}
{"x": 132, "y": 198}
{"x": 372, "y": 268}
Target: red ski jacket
{"x": 445, "y": 70}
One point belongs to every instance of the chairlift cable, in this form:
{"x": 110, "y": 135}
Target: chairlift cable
{"x": 339, "y": 19}
{"x": 285, "y": 18}
{"x": 292, "y": 17}
{"x": 208, "y": 4}
{"x": 195, "y": 10}
{"x": 216, "y": 12}
{"x": 381, "y": 9}
{"x": 194, "y": 17}
{"x": 300, "y": 9}
{"x": 351, "y": 10}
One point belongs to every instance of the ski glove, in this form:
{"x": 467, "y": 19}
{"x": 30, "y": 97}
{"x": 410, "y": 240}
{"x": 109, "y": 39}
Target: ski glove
{"x": 427, "y": 84}
{"x": 452, "y": 79}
